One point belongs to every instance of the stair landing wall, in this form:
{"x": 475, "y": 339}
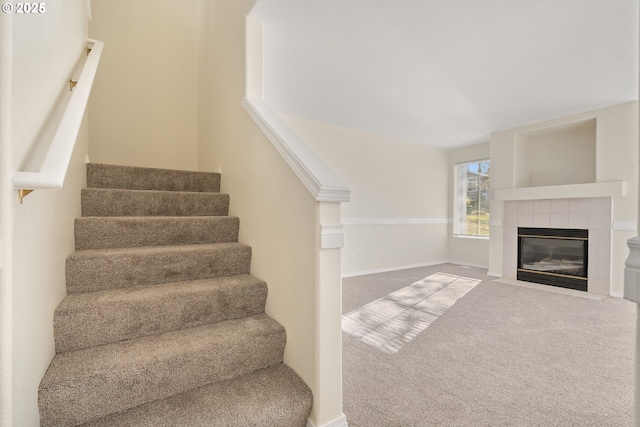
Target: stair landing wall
{"x": 281, "y": 221}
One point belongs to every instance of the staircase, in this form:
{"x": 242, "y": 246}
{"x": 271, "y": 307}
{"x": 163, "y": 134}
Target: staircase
{"x": 162, "y": 324}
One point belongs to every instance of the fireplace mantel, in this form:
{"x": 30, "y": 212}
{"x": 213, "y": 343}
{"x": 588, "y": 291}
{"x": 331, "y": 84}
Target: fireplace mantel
{"x": 571, "y": 191}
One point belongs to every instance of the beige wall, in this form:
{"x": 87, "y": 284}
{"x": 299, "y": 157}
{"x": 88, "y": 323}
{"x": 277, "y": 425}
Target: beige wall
{"x": 397, "y": 216}
{"x": 176, "y": 104}
{"x": 277, "y": 214}
{"x": 466, "y": 250}
{"x": 557, "y": 158}
{"x": 144, "y": 108}
{"x": 37, "y": 235}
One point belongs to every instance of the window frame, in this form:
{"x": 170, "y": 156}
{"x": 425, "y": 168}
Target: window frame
{"x": 460, "y": 197}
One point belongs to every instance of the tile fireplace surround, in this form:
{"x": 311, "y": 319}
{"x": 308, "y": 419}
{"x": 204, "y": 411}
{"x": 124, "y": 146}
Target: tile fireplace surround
{"x": 593, "y": 214}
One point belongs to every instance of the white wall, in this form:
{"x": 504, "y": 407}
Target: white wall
{"x": 278, "y": 217}
{"x": 144, "y": 109}
{"x": 461, "y": 249}
{"x": 397, "y": 216}
{"x": 37, "y": 235}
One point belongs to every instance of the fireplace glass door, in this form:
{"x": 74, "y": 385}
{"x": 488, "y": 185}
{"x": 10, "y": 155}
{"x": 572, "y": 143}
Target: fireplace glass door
{"x": 553, "y": 257}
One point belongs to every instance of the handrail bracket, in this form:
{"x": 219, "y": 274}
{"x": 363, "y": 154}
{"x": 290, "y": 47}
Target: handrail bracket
{"x": 22, "y": 193}
{"x": 55, "y": 164}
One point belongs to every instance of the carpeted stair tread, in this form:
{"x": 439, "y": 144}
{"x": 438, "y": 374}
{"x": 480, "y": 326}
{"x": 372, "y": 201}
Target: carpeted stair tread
{"x": 271, "y": 397}
{"x": 100, "y": 269}
{"x": 139, "y": 178}
{"x": 125, "y": 232}
{"x": 163, "y": 325}
{"x": 83, "y": 385}
{"x": 117, "y": 202}
{"x": 89, "y": 319}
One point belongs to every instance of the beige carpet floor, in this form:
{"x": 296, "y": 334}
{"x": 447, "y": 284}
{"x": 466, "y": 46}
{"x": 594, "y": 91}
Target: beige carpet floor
{"x": 482, "y": 353}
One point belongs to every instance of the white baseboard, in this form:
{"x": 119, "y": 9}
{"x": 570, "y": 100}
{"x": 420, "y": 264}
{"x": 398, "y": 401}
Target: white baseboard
{"x": 425, "y": 264}
{"x": 494, "y": 274}
{"x": 387, "y": 269}
{"x": 468, "y": 264}
{"x": 340, "y": 422}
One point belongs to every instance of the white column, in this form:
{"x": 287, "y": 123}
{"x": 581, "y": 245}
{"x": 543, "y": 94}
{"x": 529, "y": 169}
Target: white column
{"x": 327, "y": 411}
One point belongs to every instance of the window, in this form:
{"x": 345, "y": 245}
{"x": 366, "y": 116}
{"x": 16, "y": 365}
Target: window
{"x": 472, "y": 183}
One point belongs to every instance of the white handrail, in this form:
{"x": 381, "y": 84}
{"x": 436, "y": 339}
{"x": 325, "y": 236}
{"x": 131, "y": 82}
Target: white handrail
{"x": 315, "y": 175}
{"x": 54, "y": 167}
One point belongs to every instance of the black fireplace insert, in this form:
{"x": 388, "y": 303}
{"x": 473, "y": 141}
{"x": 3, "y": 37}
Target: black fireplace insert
{"x": 553, "y": 256}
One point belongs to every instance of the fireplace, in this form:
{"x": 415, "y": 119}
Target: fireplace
{"x": 553, "y": 256}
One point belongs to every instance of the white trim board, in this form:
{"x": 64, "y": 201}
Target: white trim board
{"x": 468, "y": 264}
{"x": 331, "y": 236}
{"x": 624, "y": 226}
{"x": 340, "y": 422}
{"x": 571, "y": 191}
{"x": 319, "y": 180}
{"x": 406, "y": 267}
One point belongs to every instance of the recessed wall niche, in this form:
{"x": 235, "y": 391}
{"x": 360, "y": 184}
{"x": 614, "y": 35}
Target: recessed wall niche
{"x": 558, "y": 155}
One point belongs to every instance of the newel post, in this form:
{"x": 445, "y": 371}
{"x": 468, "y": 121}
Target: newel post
{"x": 632, "y": 293}
{"x": 327, "y": 410}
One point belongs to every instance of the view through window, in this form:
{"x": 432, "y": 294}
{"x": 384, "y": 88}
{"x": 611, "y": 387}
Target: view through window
{"x": 472, "y": 198}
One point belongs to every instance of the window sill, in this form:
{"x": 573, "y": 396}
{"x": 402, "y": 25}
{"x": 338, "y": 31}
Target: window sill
{"x": 466, "y": 236}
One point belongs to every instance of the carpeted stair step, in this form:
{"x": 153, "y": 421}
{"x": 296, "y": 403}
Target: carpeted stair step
{"x": 83, "y": 385}
{"x": 101, "y": 269}
{"x": 138, "y": 178}
{"x": 113, "y": 202}
{"x": 127, "y": 232}
{"x": 163, "y": 325}
{"x": 89, "y": 319}
{"x": 271, "y": 397}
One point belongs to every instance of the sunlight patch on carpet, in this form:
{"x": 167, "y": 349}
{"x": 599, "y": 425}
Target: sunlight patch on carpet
{"x": 389, "y": 323}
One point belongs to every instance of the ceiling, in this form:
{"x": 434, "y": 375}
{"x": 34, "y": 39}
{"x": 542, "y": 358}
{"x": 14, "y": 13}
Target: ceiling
{"x": 447, "y": 73}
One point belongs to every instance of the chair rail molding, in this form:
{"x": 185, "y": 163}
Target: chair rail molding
{"x": 395, "y": 221}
